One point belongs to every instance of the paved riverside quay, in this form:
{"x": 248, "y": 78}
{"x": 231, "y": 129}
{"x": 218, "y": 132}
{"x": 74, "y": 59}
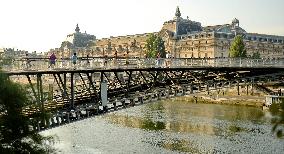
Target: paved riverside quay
{"x": 98, "y": 85}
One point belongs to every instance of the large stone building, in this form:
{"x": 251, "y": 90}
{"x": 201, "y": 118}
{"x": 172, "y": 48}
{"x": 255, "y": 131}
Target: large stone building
{"x": 183, "y": 38}
{"x": 76, "y": 42}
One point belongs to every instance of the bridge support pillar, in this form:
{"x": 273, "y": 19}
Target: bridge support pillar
{"x": 175, "y": 91}
{"x": 38, "y": 126}
{"x": 185, "y": 89}
{"x": 238, "y": 87}
{"x": 123, "y": 102}
{"x": 57, "y": 120}
{"x": 207, "y": 88}
{"x": 132, "y": 103}
{"x": 191, "y": 89}
{"x": 72, "y": 91}
{"x": 140, "y": 99}
{"x": 247, "y": 85}
{"x": 252, "y": 86}
{"x": 114, "y": 105}
{"x": 68, "y": 117}
{"x": 104, "y": 94}
{"x": 159, "y": 95}
{"x": 167, "y": 93}
{"x": 88, "y": 113}
{"x": 79, "y": 115}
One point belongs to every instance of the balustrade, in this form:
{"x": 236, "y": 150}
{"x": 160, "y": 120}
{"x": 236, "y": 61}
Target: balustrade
{"x": 106, "y": 63}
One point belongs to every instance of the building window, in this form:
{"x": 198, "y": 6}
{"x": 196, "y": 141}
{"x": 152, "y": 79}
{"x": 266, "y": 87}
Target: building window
{"x": 193, "y": 56}
{"x": 206, "y": 42}
{"x": 185, "y": 55}
{"x": 222, "y": 55}
{"x": 206, "y": 55}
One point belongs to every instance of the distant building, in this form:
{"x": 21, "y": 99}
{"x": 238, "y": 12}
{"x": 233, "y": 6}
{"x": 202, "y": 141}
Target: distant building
{"x": 11, "y": 53}
{"x": 183, "y": 38}
{"x": 76, "y": 42}
{"x": 1, "y": 52}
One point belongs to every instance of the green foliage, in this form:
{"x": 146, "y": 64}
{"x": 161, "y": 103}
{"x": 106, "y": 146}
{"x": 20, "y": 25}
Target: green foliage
{"x": 6, "y": 61}
{"x": 255, "y": 55}
{"x": 15, "y": 135}
{"x": 237, "y": 48}
{"x": 66, "y": 43}
{"x": 155, "y": 45}
{"x": 278, "y": 111}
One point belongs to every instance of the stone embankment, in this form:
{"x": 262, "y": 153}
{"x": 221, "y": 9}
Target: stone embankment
{"x": 255, "y": 101}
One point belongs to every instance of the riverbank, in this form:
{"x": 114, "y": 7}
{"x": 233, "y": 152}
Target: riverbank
{"x": 255, "y": 101}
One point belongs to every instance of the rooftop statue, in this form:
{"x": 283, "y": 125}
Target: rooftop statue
{"x": 178, "y": 14}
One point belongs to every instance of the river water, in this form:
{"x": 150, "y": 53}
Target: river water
{"x": 171, "y": 127}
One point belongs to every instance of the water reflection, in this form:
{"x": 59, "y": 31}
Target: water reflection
{"x": 173, "y": 127}
{"x": 184, "y": 117}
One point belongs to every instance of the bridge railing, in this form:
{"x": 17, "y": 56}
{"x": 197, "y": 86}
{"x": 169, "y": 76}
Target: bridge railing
{"x": 105, "y": 63}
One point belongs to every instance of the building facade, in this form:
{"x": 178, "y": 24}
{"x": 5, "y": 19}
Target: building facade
{"x": 183, "y": 38}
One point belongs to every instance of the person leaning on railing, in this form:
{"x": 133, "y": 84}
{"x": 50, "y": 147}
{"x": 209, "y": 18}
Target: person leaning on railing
{"x": 74, "y": 59}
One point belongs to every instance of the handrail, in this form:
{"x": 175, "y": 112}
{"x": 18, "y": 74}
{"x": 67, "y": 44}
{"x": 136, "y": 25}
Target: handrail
{"x": 111, "y": 62}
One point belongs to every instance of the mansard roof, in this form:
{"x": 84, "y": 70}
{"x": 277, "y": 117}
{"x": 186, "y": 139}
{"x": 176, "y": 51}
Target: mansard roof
{"x": 226, "y": 28}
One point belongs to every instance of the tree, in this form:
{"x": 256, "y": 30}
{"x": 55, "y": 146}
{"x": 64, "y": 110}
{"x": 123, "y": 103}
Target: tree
{"x": 277, "y": 110}
{"x": 66, "y": 44}
{"x": 255, "y": 55}
{"x": 155, "y": 45}
{"x": 15, "y": 133}
{"x": 237, "y": 48}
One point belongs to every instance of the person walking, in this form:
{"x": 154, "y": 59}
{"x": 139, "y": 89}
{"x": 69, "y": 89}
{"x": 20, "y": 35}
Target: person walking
{"x": 74, "y": 60}
{"x": 52, "y": 59}
{"x": 28, "y": 61}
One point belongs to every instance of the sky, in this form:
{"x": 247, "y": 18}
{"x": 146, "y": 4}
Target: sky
{"x": 39, "y": 25}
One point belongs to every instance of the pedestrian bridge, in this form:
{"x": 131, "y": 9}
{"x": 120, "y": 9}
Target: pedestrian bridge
{"x": 97, "y": 85}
